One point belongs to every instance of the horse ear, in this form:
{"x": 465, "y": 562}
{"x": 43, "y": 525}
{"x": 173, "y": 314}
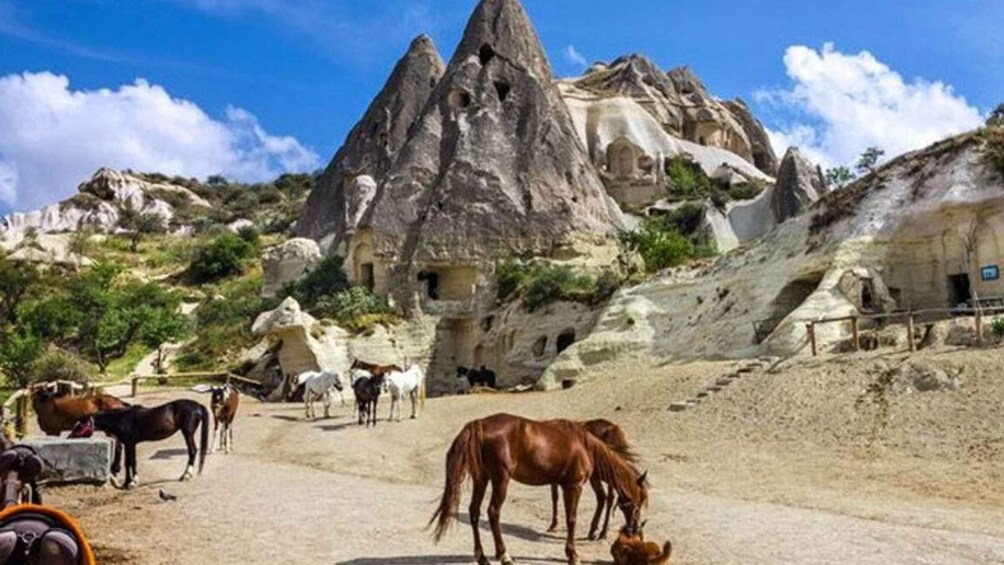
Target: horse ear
{"x": 642, "y": 478}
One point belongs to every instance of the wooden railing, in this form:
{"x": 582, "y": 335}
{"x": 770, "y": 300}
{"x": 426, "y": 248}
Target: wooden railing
{"x": 911, "y": 320}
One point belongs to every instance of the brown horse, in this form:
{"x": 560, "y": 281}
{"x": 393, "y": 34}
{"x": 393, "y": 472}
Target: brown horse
{"x": 58, "y": 413}
{"x": 374, "y": 369}
{"x": 503, "y": 447}
{"x": 615, "y": 438}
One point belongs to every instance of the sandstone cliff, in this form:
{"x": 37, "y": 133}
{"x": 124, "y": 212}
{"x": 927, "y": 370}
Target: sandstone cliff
{"x": 348, "y": 185}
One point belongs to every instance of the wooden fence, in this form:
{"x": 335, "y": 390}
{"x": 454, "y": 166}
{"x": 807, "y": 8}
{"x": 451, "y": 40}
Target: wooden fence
{"x": 909, "y": 317}
{"x": 22, "y": 397}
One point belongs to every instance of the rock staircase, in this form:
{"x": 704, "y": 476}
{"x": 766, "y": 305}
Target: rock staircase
{"x": 749, "y": 369}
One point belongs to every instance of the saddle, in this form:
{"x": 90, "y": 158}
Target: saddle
{"x": 36, "y": 535}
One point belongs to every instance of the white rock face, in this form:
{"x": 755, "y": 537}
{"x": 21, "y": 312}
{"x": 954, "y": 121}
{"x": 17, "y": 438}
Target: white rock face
{"x": 97, "y": 204}
{"x": 286, "y": 263}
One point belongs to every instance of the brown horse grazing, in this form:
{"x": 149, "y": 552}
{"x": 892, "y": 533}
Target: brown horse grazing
{"x": 503, "y": 447}
{"x": 615, "y": 438}
{"x": 632, "y": 549}
{"x": 58, "y": 413}
{"x": 374, "y": 369}
{"x": 138, "y": 424}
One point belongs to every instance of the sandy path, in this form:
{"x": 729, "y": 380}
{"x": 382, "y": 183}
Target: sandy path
{"x": 327, "y": 491}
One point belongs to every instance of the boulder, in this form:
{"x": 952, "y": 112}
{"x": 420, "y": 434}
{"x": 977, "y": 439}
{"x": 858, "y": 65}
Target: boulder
{"x": 286, "y": 263}
{"x": 293, "y": 330}
{"x": 799, "y": 185}
{"x": 70, "y": 461}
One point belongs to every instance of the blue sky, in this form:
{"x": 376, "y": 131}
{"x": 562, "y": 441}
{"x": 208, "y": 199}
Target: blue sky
{"x": 271, "y": 85}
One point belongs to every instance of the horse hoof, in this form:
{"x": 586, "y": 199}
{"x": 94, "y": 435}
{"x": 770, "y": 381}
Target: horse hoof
{"x": 484, "y": 561}
{"x": 552, "y": 529}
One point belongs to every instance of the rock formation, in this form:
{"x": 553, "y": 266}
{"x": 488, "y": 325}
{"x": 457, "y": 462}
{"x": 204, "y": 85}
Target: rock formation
{"x": 799, "y": 185}
{"x": 347, "y": 186}
{"x": 761, "y": 149}
{"x": 97, "y": 204}
{"x": 287, "y": 262}
{"x": 896, "y": 240}
{"x": 493, "y": 164}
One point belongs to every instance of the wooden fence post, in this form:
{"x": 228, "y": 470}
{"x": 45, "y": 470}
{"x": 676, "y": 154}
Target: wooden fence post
{"x": 21, "y": 423}
{"x": 979, "y": 326}
{"x": 135, "y": 386}
{"x": 857, "y": 335}
{"x": 909, "y": 332}
{"x": 811, "y": 329}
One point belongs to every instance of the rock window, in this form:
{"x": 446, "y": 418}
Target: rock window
{"x": 502, "y": 88}
{"x": 540, "y": 346}
{"x": 486, "y": 54}
{"x": 565, "y": 340}
{"x": 459, "y": 98}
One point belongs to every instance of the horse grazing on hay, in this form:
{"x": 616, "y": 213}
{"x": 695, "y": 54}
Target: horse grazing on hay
{"x": 58, "y": 413}
{"x": 367, "y": 391}
{"x": 409, "y": 383}
{"x": 138, "y": 424}
{"x": 318, "y": 386}
{"x": 477, "y": 377}
{"x": 615, "y": 438}
{"x": 503, "y": 447}
{"x": 374, "y": 369}
{"x": 224, "y": 401}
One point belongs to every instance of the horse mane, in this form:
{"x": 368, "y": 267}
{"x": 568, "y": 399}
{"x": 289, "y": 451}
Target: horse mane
{"x": 615, "y": 438}
{"x": 612, "y": 468}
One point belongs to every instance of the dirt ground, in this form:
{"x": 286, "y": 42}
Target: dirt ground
{"x": 830, "y": 461}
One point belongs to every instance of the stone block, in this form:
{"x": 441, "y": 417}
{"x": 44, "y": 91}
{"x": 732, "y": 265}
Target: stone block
{"x": 69, "y": 461}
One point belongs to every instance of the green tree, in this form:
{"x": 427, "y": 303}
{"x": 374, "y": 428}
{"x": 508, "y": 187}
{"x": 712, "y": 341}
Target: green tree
{"x": 161, "y": 326}
{"x": 837, "y": 177}
{"x": 324, "y": 280}
{"x": 16, "y": 281}
{"x": 139, "y": 224}
{"x": 868, "y": 160}
{"x": 996, "y": 117}
{"x": 18, "y": 354}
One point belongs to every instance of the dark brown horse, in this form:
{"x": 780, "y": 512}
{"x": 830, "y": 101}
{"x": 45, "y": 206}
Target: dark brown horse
{"x": 615, "y": 438}
{"x": 137, "y": 424}
{"x": 503, "y": 447}
{"x": 374, "y": 369}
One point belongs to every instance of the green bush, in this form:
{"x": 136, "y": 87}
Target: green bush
{"x": 661, "y": 244}
{"x": 998, "y": 327}
{"x": 223, "y": 325}
{"x": 992, "y": 148}
{"x": 355, "y": 309}
{"x": 59, "y": 365}
{"x": 224, "y": 256}
{"x": 747, "y": 190}
{"x": 19, "y": 351}
{"x": 325, "y": 280}
{"x": 686, "y": 180}
{"x": 540, "y": 284}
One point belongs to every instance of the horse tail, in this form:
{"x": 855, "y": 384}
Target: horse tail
{"x": 205, "y": 436}
{"x": 667, "y": 552}
{"x": 463, "y": 458}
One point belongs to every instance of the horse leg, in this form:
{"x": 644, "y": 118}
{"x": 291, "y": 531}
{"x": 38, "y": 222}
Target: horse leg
{"x": 132, "y": 477}
{"x": 373, "y": 411}
{"x": 572, "y": 494}
{"x": 393, "y": 402}
{"x": 474, "y": 512}
{"x": 216, "y": 426}
{"x": 414, "y": 404}
{"x": 601, "y": 496}
{"x": 610, "y": 507}
{"x": 230, "y": 436}
{"x": 189, "y": 433}
{"x": 327, "y": 405}
{"x": 499, "y": 488}
{"x": 117, "y": 460}
{"x": 554, "y": 509}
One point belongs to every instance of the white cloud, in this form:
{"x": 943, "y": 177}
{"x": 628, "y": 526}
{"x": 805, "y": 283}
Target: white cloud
{"x": 844, "y": 104}
{"x": 575, "y": 58}
{"x": 53, "y": 137}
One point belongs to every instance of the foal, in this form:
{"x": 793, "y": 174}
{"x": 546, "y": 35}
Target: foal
{"x": 137, "y": 424}
{"x": 632, "y": 549}
{"x": 501, "y": 448}
{"x": 225, "y": 400}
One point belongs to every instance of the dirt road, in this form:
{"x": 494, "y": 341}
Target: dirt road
{"x": 330, "y": 492}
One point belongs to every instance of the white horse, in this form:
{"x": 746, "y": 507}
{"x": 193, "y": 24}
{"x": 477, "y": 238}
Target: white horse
{"x": 411, "y": 383}
{"x": 318, "y": 386}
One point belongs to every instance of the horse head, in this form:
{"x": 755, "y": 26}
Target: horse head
{"x": 462, "y": 372}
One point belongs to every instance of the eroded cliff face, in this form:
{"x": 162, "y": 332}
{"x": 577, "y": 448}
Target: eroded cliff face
{"x": 348, "y": 185}
{"x": 914, "y": 236}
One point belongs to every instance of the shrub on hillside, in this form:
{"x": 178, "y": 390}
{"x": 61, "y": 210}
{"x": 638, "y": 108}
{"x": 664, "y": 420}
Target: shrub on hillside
{"x": 539, "y": 284}
{"x": 59, "y": 365}
{"x": 686, "y": 180}
{"x": 224, "y": 256}
{"x": 356, "y": 309}
{"x": 326, "y": 279}
{"x": 992, "y": 148}
{"x": 661, "y": 244}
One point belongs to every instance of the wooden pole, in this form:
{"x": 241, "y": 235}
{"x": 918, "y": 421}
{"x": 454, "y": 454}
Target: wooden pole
{"x": 21, "y": 423}
{"x": 857, "y": 335}
{"x": 979, "y": 325}
{"x": 811, "y": 329}
{"x": 909, "y": 332}
{"x": 135, "y": 386}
